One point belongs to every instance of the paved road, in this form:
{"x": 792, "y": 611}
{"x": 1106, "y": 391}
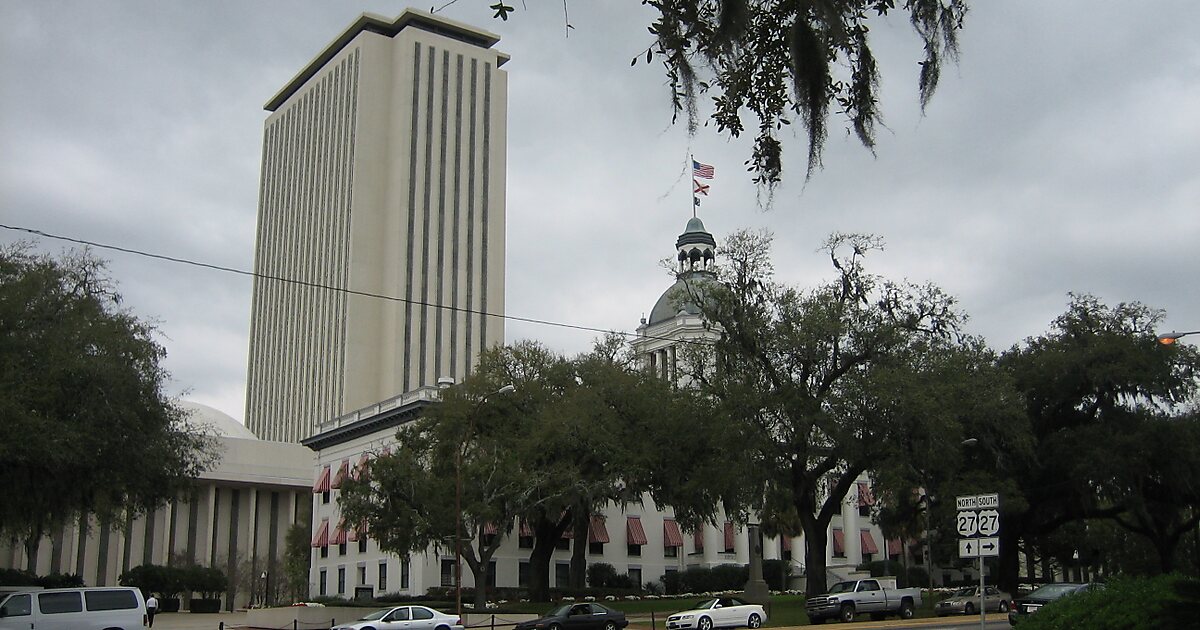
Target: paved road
{"x": 190, "y": 621}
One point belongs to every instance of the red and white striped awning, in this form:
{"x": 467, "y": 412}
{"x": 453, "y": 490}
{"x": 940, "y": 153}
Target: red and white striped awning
{"x": 839, "y": 542}
{"x": 728, "y": 536}
{"x": 342, "y": 472}
{"x": 672, "y": 537}
{"x": 868, "y": 542}
{"x": 322, "y": 484}
{"x": 634, "y": 533}
{"x": 597, "y": 531}
{"x": 322, "y": 537}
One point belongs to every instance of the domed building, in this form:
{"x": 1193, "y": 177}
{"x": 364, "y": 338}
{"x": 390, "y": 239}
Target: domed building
{"x": 676, "y": 316}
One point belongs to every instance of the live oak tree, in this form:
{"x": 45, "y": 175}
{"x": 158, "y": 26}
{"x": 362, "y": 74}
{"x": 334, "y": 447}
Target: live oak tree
{"x": 86, "y": 428}
{"x": 821, "y": 385}
{"x": 575, "y": 435}
{"x": 1112, "y": 419}
{"x": 770, "y": 63}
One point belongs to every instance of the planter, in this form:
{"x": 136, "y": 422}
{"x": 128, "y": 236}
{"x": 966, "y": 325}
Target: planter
{"x": 168, "y": 605}
{"x": 199, "y": 605}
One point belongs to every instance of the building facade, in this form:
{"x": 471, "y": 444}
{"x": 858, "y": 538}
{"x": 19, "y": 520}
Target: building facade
{"x": 235, "y": 518}
{"x": 380, "y": 254}
{"x": 641, "y": 540}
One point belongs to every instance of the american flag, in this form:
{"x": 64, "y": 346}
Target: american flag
{"x": 704, "y": 171}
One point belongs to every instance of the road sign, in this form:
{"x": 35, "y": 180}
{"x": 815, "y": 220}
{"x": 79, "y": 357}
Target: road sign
{"x": 976, "y": 547}
{"x": 978, "y": 502}
{"x": 989, "y": 522}
{"x": 968, "y": 523}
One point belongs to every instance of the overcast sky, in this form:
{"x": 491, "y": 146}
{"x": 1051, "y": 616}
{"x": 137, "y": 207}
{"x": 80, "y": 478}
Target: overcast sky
{"x": 1061, "y": 154}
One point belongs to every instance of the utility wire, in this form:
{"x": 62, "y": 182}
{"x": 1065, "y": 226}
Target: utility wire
{"x": 316, "y": 285}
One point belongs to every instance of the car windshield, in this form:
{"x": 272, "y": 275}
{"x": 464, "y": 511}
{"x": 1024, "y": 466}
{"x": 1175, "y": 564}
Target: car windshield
{"x": 964, "y": 592}
{"x": 1053, "y": 591}
{"x": 842, "y": 587}
{"x": 561, "y": 611}
{"x": 375, "y": 615}
{"x": 704, "y": 604}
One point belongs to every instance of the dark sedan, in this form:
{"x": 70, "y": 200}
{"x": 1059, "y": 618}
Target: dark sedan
{"x": 587, "y": 616}
{"x": 1041, "y": 596}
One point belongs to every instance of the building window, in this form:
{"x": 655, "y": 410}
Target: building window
{"x": 525, "y": 542}
{"x": 341, "y": 549}
{"x": 448, "y": 572}
{"x": 563, "y": 543}
{"x": 491, "y": 579}
{"x": 382, "y": 577}
{"x": 670, "y": 552}
{"x": 596, "y": 548}
{"x": 362, "y": 544}
{"x": 341, "y": 580}
{"x": 562, "y": 574}
{"x": 324, "y": 552}
{"x": 321, "y": 583}
{"x": 404, "y": 573}
{"x": 362, "y": 576}
{"x": 635, "y": 576}
{"x": 325, "y": 497}
{"x": 523, "y": 574}
{"x": 634, "y": 550}
{"x": 729, "y": 537}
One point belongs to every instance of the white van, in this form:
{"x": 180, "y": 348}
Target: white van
{"x": 94, "y": 608}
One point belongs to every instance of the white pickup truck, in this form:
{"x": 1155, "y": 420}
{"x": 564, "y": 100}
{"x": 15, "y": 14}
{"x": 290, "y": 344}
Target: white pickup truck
{"x": 847, "y": 599}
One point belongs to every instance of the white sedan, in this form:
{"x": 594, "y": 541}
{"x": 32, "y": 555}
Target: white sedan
{"x": 721, "y": 612}
{"x": 406, "y": 617}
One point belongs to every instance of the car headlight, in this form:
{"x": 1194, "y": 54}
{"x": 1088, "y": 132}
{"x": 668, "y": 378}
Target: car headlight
{"x": 686, "y": 616}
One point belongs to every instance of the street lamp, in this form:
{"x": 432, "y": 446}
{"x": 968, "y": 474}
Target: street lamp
{"x": 507, "y": 389}
{"x": 1171, "y": 337}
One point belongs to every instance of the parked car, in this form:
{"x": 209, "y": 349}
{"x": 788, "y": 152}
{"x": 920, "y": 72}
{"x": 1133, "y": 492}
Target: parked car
{"x": 94, "y": 608}
{"x": 1042, "y": 595}
{"x": 965, "y": 601}
{"x": 722, "y": 612}
{"x": 586, "y": 616}
{"x": 407, "y": 617}
{"x": 847, "y": 599}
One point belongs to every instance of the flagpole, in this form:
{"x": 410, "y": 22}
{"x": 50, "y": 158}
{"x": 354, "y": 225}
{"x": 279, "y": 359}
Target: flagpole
{"x": 695, "y": 200}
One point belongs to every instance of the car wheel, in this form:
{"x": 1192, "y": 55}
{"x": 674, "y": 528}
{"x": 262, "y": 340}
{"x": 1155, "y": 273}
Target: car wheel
{"x": 754, "y": 621}
{"x": 847, "y": 612}
{"x": 610, "y": 625}
{"x": 1003, "y": 606}
{"x": 969, "y": 609}
{"x": 906, "y": 609}
{"x": 555, "y": 626}
{"x": 704, "y": 624}
{"x": 443, "y": 627}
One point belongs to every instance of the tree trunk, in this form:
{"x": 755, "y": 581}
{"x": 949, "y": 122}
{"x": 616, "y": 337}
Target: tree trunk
{"x": 546, "y": 534}
{"x": 1008, "y": 574}
{"x": 580, "y": 529}
{"x": 816, "y": 539}
{"x": 32, "y": 545}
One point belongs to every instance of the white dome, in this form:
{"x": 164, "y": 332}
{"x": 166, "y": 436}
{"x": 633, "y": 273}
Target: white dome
{"x": 221, "y": 422}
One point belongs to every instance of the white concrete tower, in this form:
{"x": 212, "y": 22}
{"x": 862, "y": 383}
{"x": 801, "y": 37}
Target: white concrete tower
{"x": 383, "y": 176}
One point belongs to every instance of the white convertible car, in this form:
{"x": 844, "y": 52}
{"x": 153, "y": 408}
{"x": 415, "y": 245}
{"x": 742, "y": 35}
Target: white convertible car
{"x": 721, "y": 612}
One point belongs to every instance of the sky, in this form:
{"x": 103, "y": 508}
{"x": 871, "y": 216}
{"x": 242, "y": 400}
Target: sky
{"x": 1060, "y": 154}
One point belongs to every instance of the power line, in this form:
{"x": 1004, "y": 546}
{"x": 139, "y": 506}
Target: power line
{"x": 317, "y": 285}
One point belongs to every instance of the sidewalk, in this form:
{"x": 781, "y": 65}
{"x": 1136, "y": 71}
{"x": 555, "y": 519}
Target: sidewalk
{"x": 198, "y": 621}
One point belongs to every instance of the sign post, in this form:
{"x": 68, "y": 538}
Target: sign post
{"x": 978, "y": 522}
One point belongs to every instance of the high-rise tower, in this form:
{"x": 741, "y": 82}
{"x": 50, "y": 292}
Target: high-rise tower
{"x": 383, "y": 177}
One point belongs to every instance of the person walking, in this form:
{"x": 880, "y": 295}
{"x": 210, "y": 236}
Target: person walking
{"x": 151, "y": 608}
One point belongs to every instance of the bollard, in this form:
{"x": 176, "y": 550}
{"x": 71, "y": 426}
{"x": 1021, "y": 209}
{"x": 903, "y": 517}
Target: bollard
{"x": 652, "y": 624}
{"x": 221, "y": 626}
{"x": 295, "y": 624}
{"x": 493, "y": 622}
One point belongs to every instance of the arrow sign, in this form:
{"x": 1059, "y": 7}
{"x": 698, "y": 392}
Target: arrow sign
{"x": 988, "y": 547}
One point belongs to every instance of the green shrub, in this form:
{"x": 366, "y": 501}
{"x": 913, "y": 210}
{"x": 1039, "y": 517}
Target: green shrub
{"x": 776, "y": 574}
{"x": 600, "y": 574}
{"x": 17, "y": 577}
{"x": 60, "y": 580}
{"x": 1126, "y": 603}
{"x": 207, "y": 581}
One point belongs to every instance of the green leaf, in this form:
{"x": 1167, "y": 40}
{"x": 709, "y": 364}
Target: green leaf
{"x": 502, "y": 10}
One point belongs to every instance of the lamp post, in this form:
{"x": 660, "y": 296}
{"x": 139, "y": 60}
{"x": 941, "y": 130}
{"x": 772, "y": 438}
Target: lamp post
{"x": 507, "y": 389}
{"x": 1171, "y": 337}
